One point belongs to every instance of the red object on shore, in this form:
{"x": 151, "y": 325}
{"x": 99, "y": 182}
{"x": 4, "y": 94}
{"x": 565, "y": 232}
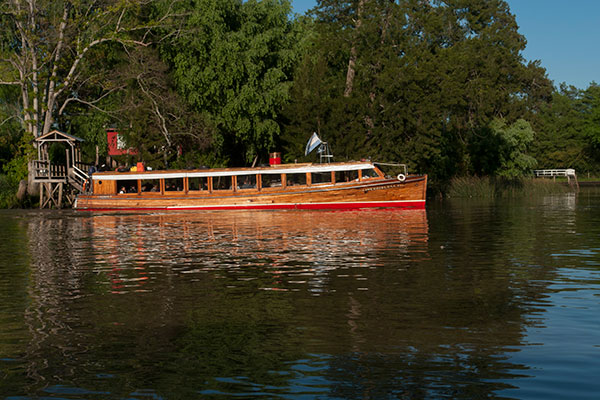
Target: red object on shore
{"x": 116, "y": 144}
{"x": 275, "y": 158}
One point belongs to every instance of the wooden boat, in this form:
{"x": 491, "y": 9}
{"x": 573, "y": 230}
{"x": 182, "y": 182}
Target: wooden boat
{"x": 341, "y": 185}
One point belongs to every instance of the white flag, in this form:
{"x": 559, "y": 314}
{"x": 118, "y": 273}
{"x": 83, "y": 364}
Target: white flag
{"x": 312, "y": 144}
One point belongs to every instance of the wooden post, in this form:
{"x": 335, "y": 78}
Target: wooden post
{"x": 60, "y": 194}
{"x": 68, "y": 162}
{"x": 41, "y": 195}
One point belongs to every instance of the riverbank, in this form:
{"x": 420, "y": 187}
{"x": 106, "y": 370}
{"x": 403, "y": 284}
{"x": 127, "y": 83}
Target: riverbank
{"x": 586, "y": 183}
{"x": 490, "y": 187}
{"x": 464, "y": 187}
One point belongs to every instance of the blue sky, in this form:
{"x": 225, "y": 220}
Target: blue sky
{"x": 563, "y": 35}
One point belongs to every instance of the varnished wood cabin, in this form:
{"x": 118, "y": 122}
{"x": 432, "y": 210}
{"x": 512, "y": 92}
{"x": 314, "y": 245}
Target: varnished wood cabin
{"x": 340, "y": 185}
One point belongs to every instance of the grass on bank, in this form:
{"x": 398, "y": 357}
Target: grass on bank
{"x": 8, "y": 193}
{"x": 486, "y": 187}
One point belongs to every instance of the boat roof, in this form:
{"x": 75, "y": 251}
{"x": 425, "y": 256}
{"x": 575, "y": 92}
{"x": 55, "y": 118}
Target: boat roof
{"x": 271, "y": 170}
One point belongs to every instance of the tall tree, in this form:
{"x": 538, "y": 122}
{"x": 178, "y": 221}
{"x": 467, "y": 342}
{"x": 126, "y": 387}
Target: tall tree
{"x": 234, "y": 64}
{"x": 590, "y": 105}
{"x": 429, "y": 77}
{"x": 569, "y": 129}
{"x": 48, "y": 46}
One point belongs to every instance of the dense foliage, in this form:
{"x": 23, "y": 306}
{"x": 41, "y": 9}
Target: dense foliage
{"x": 440, "y": 85}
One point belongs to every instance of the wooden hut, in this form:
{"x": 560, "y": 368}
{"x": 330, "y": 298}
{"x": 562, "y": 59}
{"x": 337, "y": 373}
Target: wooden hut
{"x": 59, "y": 178}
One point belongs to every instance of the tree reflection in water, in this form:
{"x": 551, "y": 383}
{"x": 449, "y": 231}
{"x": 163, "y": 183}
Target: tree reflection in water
{"x": 353, "y": 304}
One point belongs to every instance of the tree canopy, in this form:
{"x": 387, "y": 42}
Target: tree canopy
{"x": 418, "y": 81}
{"x": 234, "y": 63}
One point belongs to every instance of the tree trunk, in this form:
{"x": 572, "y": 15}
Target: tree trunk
{"x": 351, "y": 72}
{"x": 33, "y": 188}
{"x": 353, "y": 52}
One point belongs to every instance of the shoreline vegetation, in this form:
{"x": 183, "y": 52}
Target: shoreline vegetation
{"x": 490, "y": 187}
{"x": 442, "y": 87}
{"x": 458, "y": 188}
{"x": 8, "y": 193}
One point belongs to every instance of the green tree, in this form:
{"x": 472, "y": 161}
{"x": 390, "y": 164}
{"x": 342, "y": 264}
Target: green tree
{"x": 147, "y": 112}
{"x": 569, "y": 129}
{"x": 590, "y": 107}
{"x": 10, "y": 127}
{"x": 559, "y": 124}
{"x": 513, "y": 141}
{"x": 233, "y": 64}
{"x": 58, "y": 54}
{"x": 48, "y": 50}
{"x": 427, "y": 79}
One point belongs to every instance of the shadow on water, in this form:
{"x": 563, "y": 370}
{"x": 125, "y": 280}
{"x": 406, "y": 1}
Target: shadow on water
{"x": 353, "y": 304}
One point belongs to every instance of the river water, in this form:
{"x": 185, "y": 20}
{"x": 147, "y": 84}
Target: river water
{"x": 466, "y": 299}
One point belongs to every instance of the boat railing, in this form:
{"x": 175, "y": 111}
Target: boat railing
{"x": 403, "y": 169}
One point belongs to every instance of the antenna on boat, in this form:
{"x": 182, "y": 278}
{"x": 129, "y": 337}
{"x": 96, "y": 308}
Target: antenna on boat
{"x": 322, "y": 148}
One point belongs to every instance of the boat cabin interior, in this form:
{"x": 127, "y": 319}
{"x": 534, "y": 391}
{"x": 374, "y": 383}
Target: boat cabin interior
{"x": 231, "y": 181}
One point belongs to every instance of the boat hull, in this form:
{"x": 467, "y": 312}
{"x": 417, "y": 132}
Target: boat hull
{"x": 384, "y": 193}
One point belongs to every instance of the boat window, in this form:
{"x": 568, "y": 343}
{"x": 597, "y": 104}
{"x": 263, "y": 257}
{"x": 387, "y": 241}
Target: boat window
{"x": 270, "y": 180}
{"x": 128, "y": 186}
{"x": 296, "y": 179}
{"x": 150, "y": 185}
{"x": 246, "y": 181}
{"x": 346, "y": 176}
{"x": 221, "y": 183}
{"x": 320, "y": 177}
{"x": 198, "y": 183}
{"x": 174, "y": 185}
{"x": 369, "y": 173}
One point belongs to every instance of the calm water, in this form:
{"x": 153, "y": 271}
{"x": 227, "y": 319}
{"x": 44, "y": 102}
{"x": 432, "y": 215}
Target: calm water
{"x": 463, "y": 300}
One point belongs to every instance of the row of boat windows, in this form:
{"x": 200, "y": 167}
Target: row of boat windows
{"x": 242, "y": 182}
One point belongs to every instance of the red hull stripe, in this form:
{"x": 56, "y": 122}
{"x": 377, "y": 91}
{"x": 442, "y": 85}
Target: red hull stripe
{"x": 407, "y": 204}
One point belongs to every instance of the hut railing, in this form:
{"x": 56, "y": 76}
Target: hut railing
{"x": 78, "y": 179}
{"x": 44, "y": 169}
{"x": 85, "y": 167}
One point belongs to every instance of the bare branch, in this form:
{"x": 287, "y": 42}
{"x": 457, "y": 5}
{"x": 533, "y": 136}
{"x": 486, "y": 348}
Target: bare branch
{"x": 68, "y": 80}
{"x": 163, "y": 122}
{"x": 120, "y": 19}
{"x": 89, "y": 103}
{"x": 6, "y": 120}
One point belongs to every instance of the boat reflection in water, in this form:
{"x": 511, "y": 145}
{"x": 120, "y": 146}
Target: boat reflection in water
{"x": 473, "y": 299}
{"x": 324, "y": 304}
{"x": 295, "y": 248}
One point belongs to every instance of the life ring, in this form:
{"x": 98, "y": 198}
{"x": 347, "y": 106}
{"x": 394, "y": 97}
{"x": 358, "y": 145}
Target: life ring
{"x": 401, "y": 177}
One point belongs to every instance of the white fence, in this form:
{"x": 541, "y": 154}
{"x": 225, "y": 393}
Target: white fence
{"x": 553, "y": 173}
{"x": 568, "y": 172}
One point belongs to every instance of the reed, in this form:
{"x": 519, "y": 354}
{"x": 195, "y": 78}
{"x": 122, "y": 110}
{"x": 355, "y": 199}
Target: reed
{"x": 486, "y": 187}
{"x": 471, "y": 186}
